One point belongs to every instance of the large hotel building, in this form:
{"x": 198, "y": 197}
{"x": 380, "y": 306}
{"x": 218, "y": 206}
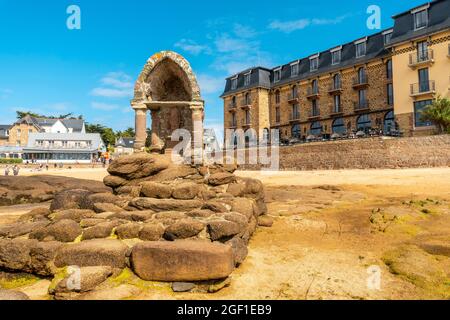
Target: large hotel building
{"x": 378, "y": 82}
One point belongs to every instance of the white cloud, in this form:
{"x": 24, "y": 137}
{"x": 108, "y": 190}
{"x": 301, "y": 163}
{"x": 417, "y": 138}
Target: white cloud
{"x": 294, "y": 25}
{"x": 210, "y": 84}
{"x": 192, "y": 47}
{"x": 104, "y": 106}
{"x": 244, "y": 31}
{"x": 114, "y": 85}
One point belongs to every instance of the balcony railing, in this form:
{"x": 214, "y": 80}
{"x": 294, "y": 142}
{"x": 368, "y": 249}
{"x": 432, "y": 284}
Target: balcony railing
{"x": 246, "y": 122}
{"x": 246, "y": 103}
{"x": 336, "y": 109}
{"x": 233, "y": 124}
{"x": 312, "y": 92}
{"x": 314, "y": 113}
{"x": 361, "y": 105}
{"x": 361, "y": 81}
{"x": 232, "y": 105}
{"x": 419, "y": 58}
{"x": 424, "y": 87}
{"x": 293, "y": 97}
{"x": 58, "y": 147}
{"x": 335, "y": 87}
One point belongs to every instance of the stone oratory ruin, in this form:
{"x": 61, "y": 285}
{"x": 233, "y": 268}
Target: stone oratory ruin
{"x": 180, "y": 225}
{"x": 169, "y": 89}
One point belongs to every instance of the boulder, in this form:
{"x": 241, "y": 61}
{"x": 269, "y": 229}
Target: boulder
{"x": 151, "y": 232}
{"x": 89, "y": 278}
{"x": 74, "y": 214}
{"x": 251, "y": 228}
{"x": 99, "y": 252}
{"x": 129, "y": 191}
{"x": 155, "y": 190}
{"x": 15, "y": 254}
{"x": 129, "y": 230}
{"x": 114, "y": 181}
{"x": 138, "y": 165}
{"x": 10, "y": 295}
{"x": 185, "y": 191}
{"x": 38, "y": 214}
{"x": 183, "y": 229}
{"x": 182, "y": 261}
{"x": 236, "y": 189}
{"x": 221, "y": 178}
{"x": 200, "y": 213}
{"x": 101, "y": 230}
{"x": 253, "y": 188}
{"x": 238, "y": 218}
{"x": 173, "y": 173}
{"x": 175, "y": 215}
{"x": 239, "y": 248}
{"x": 72, "y": 199}
{"x": 62, "y": 230}
{"x": 42, "y": 256}
{"x": 104, "y": 197}
{"x": 223, "y": 230}
{"x": 106, "y": 207}
{"x": 133, "y": 215}
{"x": 215, "y": 206}
{"x": 21, "y": 228}
{"x": 244, "y": 206}
{"x": 182, "y": 286}
{"x": 165, "y": 204}
{"x": 90, "y": 222}
{"x": 265, "y": 221}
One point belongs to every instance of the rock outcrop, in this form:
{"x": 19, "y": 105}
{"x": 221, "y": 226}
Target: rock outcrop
{"x": 166, "y": 222}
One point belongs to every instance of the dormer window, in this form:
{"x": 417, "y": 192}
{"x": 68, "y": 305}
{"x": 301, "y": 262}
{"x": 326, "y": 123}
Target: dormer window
{"x": 247, "y": 78}
{"x": 294, "y": 69}
{"x": 277, "y": 75}
{"x": 361, "y": 48}
{"x": 234, "y": 83}
{"x": 336, "y": 55}
{"x": 387, "y": 36}
{"x": 314, "y": 63}
{"x": 420, "y": 18}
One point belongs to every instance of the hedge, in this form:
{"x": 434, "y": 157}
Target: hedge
{"x": 10, "y": 161}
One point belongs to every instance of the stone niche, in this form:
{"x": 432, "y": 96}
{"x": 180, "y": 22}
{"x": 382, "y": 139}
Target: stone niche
{"x": 168, "y": 88}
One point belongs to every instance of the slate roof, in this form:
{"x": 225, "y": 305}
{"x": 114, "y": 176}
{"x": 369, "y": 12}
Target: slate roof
{"x": 125, "y": 142}
{"x": 403, "y": 30}
{"x": 76, "y": 124}
{"x": 3, "y": 129}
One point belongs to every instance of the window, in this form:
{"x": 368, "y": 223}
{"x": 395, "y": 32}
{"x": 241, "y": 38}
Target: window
{"x": 420, "y": 19}
{"x": 389, "y": 69}
{"x": 30, "y": 130}
{"x": 337, "y": 103}
{"x": 316, "y": 128}
{"x": 277, "y": 97}
{"x": 295, "y": 112}
{"x": 361, "y": 49}
{"x": 389, "y": 122}
{"x": 233, "y": 102}
{"x": 315, "y": 108}
{"x": 248, "y": 99}
{"x": 418, "y": 107}
{"x": 387, "y": 37}
{"x": 247, "y": 78}
{"x": 19, "y": 133}
{"x": 337, "y": 81}
{"x": 314, "y": 87}
{"x": 422, "y": 51}
{"x": 234, "y": 83}
{"x": 277, "y": 75}
{"x": 362, "y": 78}
{"x": 295, "y": 131}
{"x": 336, "y": 57}
{"x": 247, "y": 117}
{"x": 338, "y": 126}
{"x": 314, "y": 64}
{"x": 364, "y": 123}
{"x": 424, "y": 80}
{"x": 294, "y": 69}
{"x": 362, "y": 98}
{"x": 293, "y": 92}
{"x": 277, "y": 115}
{"x": 390, "y": 94}
{"x": 233, "y": 120}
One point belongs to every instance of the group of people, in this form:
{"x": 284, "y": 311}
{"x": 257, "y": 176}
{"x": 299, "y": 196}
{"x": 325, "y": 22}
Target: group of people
{"x": 15, "y": 169}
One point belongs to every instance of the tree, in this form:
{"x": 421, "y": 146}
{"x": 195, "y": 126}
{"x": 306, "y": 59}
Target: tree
{"x": 438, "y": 113}
{"x": 23, "y": 114}
{"x": 148, "y": 141}
{"x": 108, "y": 135}
{"x": 129, "y": 133}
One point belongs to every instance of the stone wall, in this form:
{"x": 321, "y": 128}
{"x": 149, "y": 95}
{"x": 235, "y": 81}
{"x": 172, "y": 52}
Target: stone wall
{"x": 376, "y": 153}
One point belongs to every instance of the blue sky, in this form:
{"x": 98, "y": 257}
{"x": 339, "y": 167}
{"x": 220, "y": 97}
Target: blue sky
{"x": 47, "y": 68}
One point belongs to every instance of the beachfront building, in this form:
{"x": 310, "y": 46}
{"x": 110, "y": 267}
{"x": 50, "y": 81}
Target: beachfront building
{"x": 64, "y": 148}
{"x": 124, "y": 146}
{"x": 4, "y": 134}
{"x": 377, "y": 83}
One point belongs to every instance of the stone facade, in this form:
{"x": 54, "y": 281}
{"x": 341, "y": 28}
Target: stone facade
{"x": 375, "y": 153}
{"x": 19, "y": 132}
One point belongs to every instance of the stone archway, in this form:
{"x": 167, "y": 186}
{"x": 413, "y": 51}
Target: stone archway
{"x": 168, "y": 88}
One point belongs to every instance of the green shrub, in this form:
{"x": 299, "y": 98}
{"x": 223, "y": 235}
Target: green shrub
{"x": 10, "y": 161}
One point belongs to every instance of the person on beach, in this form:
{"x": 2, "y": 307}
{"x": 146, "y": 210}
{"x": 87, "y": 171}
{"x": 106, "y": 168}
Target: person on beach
{"x": 16, "y": 170}
{"x": 7, "y": 170}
